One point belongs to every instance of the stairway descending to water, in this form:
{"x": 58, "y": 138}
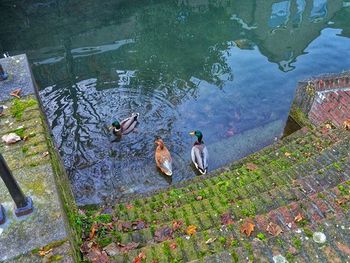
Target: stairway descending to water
{"x": 275, "y": 205}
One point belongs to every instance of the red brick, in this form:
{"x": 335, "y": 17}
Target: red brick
{"x": 286, "y": 214}
{"x": 312, "y": 213}
{"x": 261, "y": 222}
{"x": 344, "y": 248}
{"x": 324, "y": 208}
{"x": 331, "y": 254}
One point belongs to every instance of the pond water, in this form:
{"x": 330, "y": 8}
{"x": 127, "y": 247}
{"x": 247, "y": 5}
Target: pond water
{"x": 228, "y": 68}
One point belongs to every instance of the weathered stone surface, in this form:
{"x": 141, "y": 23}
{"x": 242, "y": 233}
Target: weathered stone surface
{"x": 31, "y": 164}
{"x": 20, "y": 76}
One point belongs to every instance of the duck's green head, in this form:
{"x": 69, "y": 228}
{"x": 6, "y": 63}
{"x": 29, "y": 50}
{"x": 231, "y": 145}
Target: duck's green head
{"x": 116, "y": 125}
{"x": 198, "y": 134}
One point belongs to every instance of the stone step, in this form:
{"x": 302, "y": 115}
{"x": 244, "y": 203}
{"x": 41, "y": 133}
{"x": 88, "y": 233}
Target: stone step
{"x": 295, "y": 242}
{"x": 311, "y": 185}
{"x": 305, "y": 184}
{"x": 237, "y": 179}
{"x": 275, "y": 154}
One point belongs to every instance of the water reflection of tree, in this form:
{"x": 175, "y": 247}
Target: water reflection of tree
{"x": 179, "y": 43}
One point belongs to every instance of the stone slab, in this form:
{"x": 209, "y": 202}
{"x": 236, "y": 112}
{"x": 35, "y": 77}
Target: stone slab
{"x": 20, "y": 76}
{"x": 32, "y": 168}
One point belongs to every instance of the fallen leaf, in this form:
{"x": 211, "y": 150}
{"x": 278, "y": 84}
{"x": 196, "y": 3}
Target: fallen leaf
{"x": 92, "y": 231}
{"x": 140, "y": 257}
{"x": 342, "y": 200}
{"x": 328, "y": 126}
{"x": 226, "y": 219}
{"x": 173, "y": 245}
{"x": 16, "y": 93}
{"x": 307, "y": 154}
{"x": 127, "y": 247}
{"x": 199, "y": 198}
{"x": 210, "y": 240}
{"x": 191, "y": 230}
{"x": 163, "y": 234}
{"x": 44, "y": 252}
{"x": 129, "y": 206}
{"x": 247, "y": 228}
{"x": 274, "y": 229}
{"x": 177, "y": 224}
{"x": 346, "y": 124}
{"x": 287, "y": 154}
{"x": 298, "y": 218}
{"x": 10, "y": 138}
{"x": 251, "y": 166}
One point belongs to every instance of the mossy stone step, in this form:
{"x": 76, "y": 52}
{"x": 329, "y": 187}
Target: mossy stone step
{"x": 230, "y": 239}
{"x": 213, "y": 186}
{"x": 329, "y": 176}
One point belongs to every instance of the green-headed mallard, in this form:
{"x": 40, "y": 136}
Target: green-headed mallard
{"x": 199, "y": 153}
{"x": 125, "y": 126}
{"x": 163, "y": 158}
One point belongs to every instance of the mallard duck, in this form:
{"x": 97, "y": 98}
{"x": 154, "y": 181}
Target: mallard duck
{"x": 125, "y": 126}
{"x": 163, "y": 158}
{"x": 199, "y": 153}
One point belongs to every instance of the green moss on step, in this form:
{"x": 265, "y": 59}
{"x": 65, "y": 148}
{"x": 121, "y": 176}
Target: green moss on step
{"x": 19, "y": 106}
{"x": 297, "y": 242}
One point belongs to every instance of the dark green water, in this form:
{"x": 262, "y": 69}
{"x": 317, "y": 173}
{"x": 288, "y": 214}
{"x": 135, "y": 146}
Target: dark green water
{"x": 228, "y": 68}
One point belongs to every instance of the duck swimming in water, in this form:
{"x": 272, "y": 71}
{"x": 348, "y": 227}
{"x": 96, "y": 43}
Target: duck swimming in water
{"x": 163, "y": 158}
{"x": 125, "y": 126}
{"x": 199, "y": 153}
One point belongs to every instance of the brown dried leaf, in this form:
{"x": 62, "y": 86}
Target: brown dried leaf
{"x": 163, "y": 234}
{"x": 298, "y": 218}
{"x": 251, "y": 166}
{"x": 43, "y": 252}
{"x": 92, "y": 231}
{"x": 328, "y": 126}
{"x": 173, "y": 246}
{"x": 274, "y": 229}
{"x": 191, "y": 230}
{"x": 287, "y": 154}
{"x": 16, "y": 93}
{"x": 177, "y": 224}
{"x": 129, "y": 206}
{"x": 140, "y": 257}
{"x": 342, "y": 200}
{"x": 247, "y": 228}
{"x": 226, "y": 219}
{"x": 346, "y": 124}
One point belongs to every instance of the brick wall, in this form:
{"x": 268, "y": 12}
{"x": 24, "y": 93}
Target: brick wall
{"x": 325, "y": 98}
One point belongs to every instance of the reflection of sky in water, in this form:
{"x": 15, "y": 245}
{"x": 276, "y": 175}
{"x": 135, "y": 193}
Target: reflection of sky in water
{"x": 297, "y": 19}
{"x": 319, "y": 9}
{"x": 280, "y": 14}
{"x": 218, "y": 68}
